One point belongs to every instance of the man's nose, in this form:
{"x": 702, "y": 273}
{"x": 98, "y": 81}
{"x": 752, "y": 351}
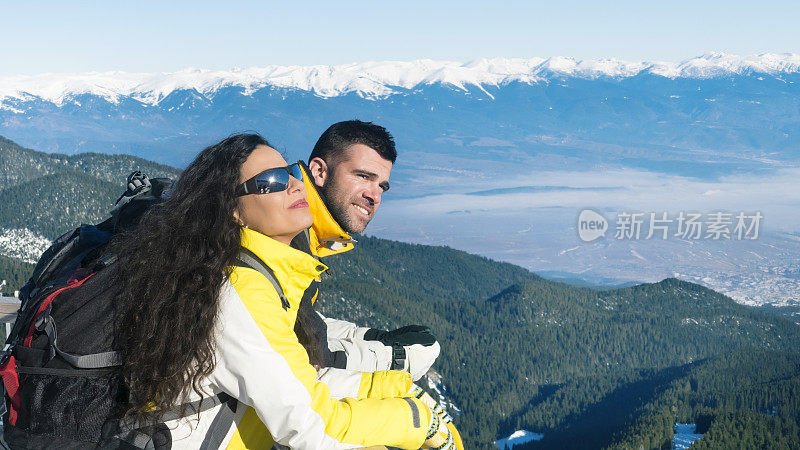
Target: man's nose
{"x": 373, "y": 194}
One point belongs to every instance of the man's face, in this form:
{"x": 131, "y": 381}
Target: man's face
{"x": 352, "y": 185}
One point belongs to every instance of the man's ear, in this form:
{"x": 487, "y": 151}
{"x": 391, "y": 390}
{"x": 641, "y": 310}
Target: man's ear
{"x": 236, "y": 217}
{"x": 319, "y": 171}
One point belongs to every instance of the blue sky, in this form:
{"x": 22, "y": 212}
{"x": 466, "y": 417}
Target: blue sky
{"x": 147, "y": 36}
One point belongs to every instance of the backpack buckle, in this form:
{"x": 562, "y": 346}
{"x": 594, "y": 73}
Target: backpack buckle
{"x": 41, "y": 321}
{"x": 44, "y": 324}
{"x": 5, "y": 354}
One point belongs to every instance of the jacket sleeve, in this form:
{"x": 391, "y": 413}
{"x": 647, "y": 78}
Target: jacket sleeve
{"x": 262, "y": 364}
{"x": 382, "y": 384}
{"x": 364, "y": 356}
{"x": 361, "y": 355}
{"x": 343, "y": 329}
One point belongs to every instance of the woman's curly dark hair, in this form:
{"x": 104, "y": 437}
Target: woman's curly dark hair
{"x": 172, "y": 268}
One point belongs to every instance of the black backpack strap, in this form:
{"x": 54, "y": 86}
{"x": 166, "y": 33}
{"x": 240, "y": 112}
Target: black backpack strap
{"x": 221, "y": 424}
{"x": 246, "y": 258}
{"x": 131, "y": 439}
{"x": 46, "y": 323}
{"x": 128, "y": 434}
{"x": 142, "y": 438}
{"x": 124, "y": 434}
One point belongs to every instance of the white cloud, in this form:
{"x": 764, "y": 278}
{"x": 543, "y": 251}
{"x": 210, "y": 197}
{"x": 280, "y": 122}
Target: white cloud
{"x": 777, "y": 194}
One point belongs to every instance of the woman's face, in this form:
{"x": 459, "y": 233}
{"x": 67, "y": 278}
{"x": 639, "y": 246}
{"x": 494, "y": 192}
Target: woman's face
{"x": 279, "y": 215}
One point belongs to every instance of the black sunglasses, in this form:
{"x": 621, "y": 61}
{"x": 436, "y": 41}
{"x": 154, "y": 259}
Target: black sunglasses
{"x": 270, "y": 180}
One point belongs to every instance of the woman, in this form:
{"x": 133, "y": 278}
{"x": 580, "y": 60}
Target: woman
{"x": 195, "y": 324}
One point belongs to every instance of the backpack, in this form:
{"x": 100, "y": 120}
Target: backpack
{"x": 60, "y": 371}
{"x": 61, "y": 379}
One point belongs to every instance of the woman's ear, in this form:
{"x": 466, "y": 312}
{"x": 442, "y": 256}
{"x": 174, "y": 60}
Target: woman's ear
{"x": 238, "y": 219}
{"x": 318, "y": 171}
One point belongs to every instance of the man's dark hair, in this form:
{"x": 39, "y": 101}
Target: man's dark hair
{"x": 341, "y": 135}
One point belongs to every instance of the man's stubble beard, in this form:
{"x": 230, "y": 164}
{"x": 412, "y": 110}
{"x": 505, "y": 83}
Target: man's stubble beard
{"x": 337, "y": 206}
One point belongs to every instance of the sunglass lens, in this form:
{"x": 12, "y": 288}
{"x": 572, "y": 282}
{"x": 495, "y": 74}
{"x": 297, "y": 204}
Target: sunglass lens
{"x": 297, "y": 172}
{"x": 276, "y": 180}
{"x": 272, "y": 181}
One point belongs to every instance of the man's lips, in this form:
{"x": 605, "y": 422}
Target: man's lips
{"x": 302, "y": 203}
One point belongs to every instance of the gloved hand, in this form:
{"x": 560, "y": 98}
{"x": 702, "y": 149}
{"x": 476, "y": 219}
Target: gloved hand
{"x": 428, "y": 401}
{"x": 439, "y": 436}
{"x": 442, "y": 434}
{"x": 407, "y": 335}
{"x": 414, "y": 348}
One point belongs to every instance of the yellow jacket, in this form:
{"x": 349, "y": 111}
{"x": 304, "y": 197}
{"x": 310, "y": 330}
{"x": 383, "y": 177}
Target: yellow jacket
{"x": 346, "y": 347}
{"x": 345, "y": 340}
{"x": 261, "y": 364}
{"x": 326, "y": 237}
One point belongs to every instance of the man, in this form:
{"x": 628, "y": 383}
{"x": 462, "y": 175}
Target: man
{"x": 347, "y": 174}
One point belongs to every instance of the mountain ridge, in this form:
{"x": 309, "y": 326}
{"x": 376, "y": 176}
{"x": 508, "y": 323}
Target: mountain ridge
{"x": 524, "y": 352}
{"x": 518, "y": 351}
{"x": 37, "y": 190}
{"x": 373, "y": 80}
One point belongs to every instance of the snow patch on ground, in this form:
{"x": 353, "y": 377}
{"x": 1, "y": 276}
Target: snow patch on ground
{"x": 684, "y": 436}
{"x": 435, "y": 383}
{"x": 22, "y": 244}
{"x": 518, "y": 437}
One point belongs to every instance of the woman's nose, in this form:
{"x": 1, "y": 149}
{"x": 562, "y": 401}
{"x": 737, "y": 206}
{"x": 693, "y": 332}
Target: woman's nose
{"x": 295, "y": 184}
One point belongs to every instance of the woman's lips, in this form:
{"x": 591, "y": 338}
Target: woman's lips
{"x": 302, "y": 203}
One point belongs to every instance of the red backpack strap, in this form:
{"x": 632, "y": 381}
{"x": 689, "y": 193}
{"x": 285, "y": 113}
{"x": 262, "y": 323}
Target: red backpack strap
{"x": 11, "y": 382}
{"x": 73, "y": 283}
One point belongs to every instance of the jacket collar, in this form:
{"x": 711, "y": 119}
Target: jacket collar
{"x": 327, "y": 236}
{"x": 286, "y": 262}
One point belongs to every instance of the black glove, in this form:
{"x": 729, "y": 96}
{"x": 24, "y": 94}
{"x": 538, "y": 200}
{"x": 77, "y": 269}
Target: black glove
{"x": 407, "y": 335}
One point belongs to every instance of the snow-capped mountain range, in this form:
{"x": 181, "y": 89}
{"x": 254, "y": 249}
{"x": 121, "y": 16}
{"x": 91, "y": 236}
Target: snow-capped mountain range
{"x": 496, "y": 156}
{"x": 377, "y": 79}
